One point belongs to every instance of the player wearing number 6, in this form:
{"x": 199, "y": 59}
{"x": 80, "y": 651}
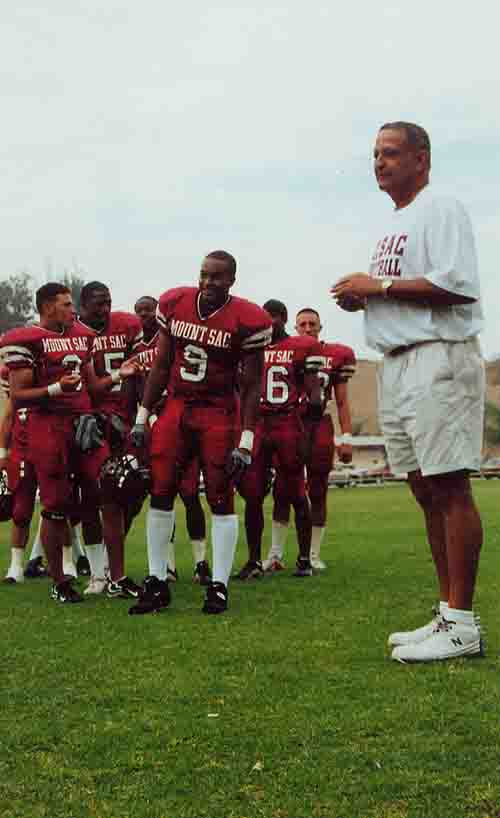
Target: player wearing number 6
{"x": 206, "y": 337}
{"x": 290, "y": 367}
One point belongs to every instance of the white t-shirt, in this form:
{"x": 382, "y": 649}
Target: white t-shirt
{"x": 432, "y": 238}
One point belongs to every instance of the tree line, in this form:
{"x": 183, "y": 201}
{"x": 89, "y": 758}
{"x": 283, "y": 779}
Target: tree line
{"x": 17, "y": 298}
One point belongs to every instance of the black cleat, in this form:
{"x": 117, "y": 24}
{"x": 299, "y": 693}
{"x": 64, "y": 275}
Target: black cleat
{"x": 303, "y": 568}
{"x": 35, "y": 569}
{"x": 83, "y": 566}
{"x": 251, "y": 570}
{"x": 154, "y": 596}
{"x": 216, "y": 598}
{"x": 122, "y": 589}
{"x": 64, "y": 592}
{"x": 202, "y": 574}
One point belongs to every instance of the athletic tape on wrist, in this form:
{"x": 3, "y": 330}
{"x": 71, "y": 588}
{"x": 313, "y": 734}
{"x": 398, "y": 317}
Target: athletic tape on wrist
{"x": 246, "y": 440}
{"x": 142, "y": 415}
{"x": 54, "y": 389}
{"x": 345, "y": 440}
{"x": 3, "y": 453}
{"x": 116, "y": 377}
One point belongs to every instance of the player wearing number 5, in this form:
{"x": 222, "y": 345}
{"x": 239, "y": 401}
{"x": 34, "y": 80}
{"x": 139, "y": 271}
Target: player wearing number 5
{"x": 206, "y": 337}
{"x": 290, "y": 367}
{"x": 117, "y": 336}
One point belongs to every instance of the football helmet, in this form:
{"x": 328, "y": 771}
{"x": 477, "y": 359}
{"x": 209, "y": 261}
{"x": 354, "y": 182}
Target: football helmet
{"x": 124, "y": 480}
{"x": 6, "y": 498}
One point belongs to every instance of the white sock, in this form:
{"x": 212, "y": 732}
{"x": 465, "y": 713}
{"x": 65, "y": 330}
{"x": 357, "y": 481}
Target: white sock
{"x": 95, "y": 556}
{"x": 68, "y": 564}
{"x": 37, "y": 547}
{"x": 76, "y": 542}
{"x": 159, "y": 527}
{"x": 316, "y": 539}
{"x": 171, "y": 555}
{"x": 461, "y": 617}
{"x": 16, "y": 567}
{"x": 279, "y": 533}
{"x": 224, "y": 540}
{"x": 443, "y": 608}
{"x": 199, "y": 551}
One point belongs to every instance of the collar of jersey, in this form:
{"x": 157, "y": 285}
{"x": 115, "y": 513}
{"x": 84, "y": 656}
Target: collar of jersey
{"x": 198, "y": 311}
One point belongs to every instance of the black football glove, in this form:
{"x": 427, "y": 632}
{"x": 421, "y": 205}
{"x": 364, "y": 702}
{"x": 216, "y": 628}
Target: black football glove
{"x": 118, "y": 431}
{"x": 238, "y": 461}
{"x": 138, "y": 435}
{"x": 88, "y": 435}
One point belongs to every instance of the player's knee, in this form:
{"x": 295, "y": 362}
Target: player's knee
{"x": 163, "y": 502}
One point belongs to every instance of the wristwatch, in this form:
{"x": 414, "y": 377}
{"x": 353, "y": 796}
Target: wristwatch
{"x": 386, "y": 284}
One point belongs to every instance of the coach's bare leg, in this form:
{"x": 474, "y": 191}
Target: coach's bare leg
{"x": 422, "y": 490}
{"x": 464, "y": 535}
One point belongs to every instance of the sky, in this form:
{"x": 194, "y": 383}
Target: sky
{"x": 137, "y": 137}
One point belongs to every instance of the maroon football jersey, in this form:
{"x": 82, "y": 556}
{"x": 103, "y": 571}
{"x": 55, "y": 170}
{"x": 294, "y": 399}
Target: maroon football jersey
{"x": 50, "y": 355}
{"x": 339, "y": 366}
{"x": 112, "y": 346}
{"x": 207, "y": 351}
{"x": 146, "y": 351}
{"x": 285, "y": 364}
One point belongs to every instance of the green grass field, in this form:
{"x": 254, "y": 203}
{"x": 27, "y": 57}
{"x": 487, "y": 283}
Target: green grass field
{"x": 285, "y": 707}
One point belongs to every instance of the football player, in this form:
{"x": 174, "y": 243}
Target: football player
{"x": 205, "y": 333}
{"x": 337, "y": 369}
{"x": 50, "y": 371}
{"x": 290, "y": 366}
{"x": 145, "y": 309}
{"x": 116, "y": 339}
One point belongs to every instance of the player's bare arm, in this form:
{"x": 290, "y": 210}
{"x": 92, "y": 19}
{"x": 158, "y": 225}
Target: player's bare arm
{"x": 344, "y": 449}
{"x": 362, "y": 285}
{"x": 98, "y": 386}
{"x": 5, "y": 432}
{"x": 251, "y": 388}
{"x": 23, "y": 393}
{"x": 154, "y": 388}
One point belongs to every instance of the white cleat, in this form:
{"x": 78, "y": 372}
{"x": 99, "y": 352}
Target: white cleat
{"x": 13, "y": 579}
{"x": 272, "y": 565}
{"x": 318, "y": 565}
{"x": 449, "y": 640}
{"x": 97, "y": 585}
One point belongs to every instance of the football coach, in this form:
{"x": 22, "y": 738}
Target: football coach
{"x": 422, "y": 311}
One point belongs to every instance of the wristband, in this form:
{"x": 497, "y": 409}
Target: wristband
{"x": 142, "y": 415}
{"x": 3, "y": 453}
{"x": 54, "y": 389}
{"x": 115, "y": 376}
{"x": 344, "y": 440}
{"x": 246, "y": 440}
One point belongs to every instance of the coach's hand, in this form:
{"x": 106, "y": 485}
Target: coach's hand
{"x": 138, "y": 435}
{"x": 88, "y": 435}
{"x": 239, "y": 460}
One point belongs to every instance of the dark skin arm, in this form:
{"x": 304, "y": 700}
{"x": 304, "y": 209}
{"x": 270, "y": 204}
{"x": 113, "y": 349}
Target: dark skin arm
{"x": 416, "y": 290}
{"x": 251, "y": 389}
{"x": 98, "y": 386}
{"x": 158, "y": 376}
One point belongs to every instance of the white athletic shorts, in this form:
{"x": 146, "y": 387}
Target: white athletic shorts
{"x": 431, "y": 406}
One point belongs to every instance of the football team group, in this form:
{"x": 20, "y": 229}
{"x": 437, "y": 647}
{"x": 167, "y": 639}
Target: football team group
{"x": 105, "y": 407}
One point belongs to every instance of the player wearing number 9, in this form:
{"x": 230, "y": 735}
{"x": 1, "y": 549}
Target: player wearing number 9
{"x": 206, "y": 336}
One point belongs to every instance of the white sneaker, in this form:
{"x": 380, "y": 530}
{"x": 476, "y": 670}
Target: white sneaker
{"x": 13, "y": 579}
{"x": 97, "y": 585}
{"x": 272, "y": 565}
{"x": 416, "y": 636}
{"x": 448, "y": 641}
{"x": 318, "y": 565}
